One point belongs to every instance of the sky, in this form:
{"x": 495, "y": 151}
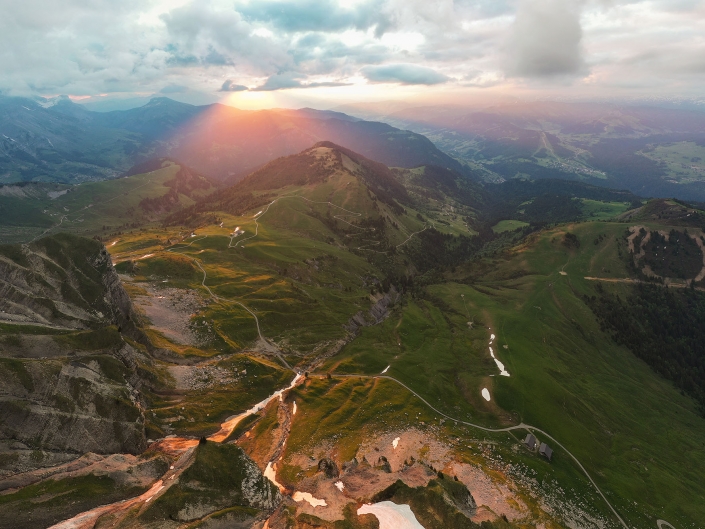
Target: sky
{"x": 262, "y": 53}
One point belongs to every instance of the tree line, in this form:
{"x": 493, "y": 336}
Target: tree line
{"x": 662, "y": 326}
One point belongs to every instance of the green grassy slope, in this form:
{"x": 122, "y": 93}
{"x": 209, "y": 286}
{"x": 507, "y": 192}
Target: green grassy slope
{"x": 95, "y": 208}
{"x": 311, "y": 266}
{"x": 639, "y": 438}
{"x": 314, "y": 253}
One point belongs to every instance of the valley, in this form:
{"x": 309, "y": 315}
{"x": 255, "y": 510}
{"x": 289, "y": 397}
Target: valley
{"x": 319, "y": 337}
{"x": 352, "y": 264}
{"x": 649, "y": 150}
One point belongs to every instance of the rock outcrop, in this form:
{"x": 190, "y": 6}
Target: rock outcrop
{"x": 71, "y": 405}
{"x": 329, "y": 468}
{"x": 63, "y": 281}
{"x": 377, "y": 313}
{"x": 70, "y": 378}
{"x": 221, "y": 477}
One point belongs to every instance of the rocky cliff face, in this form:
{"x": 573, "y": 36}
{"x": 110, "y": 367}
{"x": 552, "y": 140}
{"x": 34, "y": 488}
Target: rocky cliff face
{"x": 378, "y": 312}
{"x": 61, "y": 281}
{"x": 68, "y": 378}
{"x": 70, "y": 405}
{"x": 221, "y": 477}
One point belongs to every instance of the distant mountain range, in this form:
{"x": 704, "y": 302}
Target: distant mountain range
{"x": 64, "y": 142}
{"x": 650, "y": 150}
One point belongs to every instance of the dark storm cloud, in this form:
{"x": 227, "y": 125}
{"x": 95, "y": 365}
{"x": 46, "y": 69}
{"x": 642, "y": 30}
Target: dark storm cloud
{"x": 404, "y": 74}
{"x": 231, "y": 86}
{"x": 545, "y": 39}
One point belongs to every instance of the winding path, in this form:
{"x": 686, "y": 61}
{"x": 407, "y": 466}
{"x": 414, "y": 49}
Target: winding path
{"x": 266, "y": 209}
{"x": 227, "y": 300}
{"x": 339, "y": 217}
{"x": 520, "y": 426}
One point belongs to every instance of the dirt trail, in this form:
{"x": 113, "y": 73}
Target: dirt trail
{"x": 340, "y": 217}
{"x": 520, "y": 426}
{"x": 175, "y": 446}
{"x": 628, "y": 280}
{"x": 263, "y": 343}
{"x": 88, "y": 519}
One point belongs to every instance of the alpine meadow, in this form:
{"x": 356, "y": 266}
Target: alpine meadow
{"x": 296, "y": 264}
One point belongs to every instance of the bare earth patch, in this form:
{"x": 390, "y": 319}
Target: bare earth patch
{"x": 126, "y": 469}
{"x": 493, "y": 497}
{"x": 200, "y": 376}
{"x": 170, "y": 310}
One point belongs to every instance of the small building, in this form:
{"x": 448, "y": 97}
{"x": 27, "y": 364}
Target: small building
{"x": 530, "y": 442}
{"x": 545, "y": 451}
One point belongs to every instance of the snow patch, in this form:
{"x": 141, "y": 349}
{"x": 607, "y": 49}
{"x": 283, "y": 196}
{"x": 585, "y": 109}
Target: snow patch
{"x": 229, "y": 425}
{"x": 340, "y": 485}
{"x": 500, "y": 365}
{"x": 293, "y": 412}
{"x": 56, "y": 194}
{"x": 486, "y": 394}
{"x": 395, "y": 443}
{"x": 271, "y": 474}
{"x": 385, "y": 370}
{"x": 305, "y": 496}
{"x": 391, "y": 515}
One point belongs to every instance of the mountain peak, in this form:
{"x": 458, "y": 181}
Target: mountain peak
{"x": 320, "y": 162}
{"x": 162, "y": 101}
{"x": 328, "y": 144}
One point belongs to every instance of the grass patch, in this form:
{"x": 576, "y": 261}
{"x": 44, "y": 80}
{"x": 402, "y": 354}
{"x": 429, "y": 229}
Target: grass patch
{"x": 250, "y": 381}
{"x": 105, "y": 338}
{"x": 51, "y": 501}
{"x": 508, "y": 225}
{"x": 214, "y": 481}
{"x": 19, "y": 370}
{"x": 9, "y": 328}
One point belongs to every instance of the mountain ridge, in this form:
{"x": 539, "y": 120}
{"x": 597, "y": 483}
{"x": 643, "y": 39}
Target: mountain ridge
{"x": 67, "y": 143}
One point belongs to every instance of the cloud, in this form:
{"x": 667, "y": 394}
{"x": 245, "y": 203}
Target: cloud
{"x": 545, "y": 39}
{"x": 204, "y": 35}
{"x": 134, "y": 47}
{"x": 404, "y": 74}
{"x": 278, "y": 82}
{"x": 291, "y": 80}
{"x": 230, "y": 86}
{"x": 318, "y": 15}
{"x": 173, "y": 89}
